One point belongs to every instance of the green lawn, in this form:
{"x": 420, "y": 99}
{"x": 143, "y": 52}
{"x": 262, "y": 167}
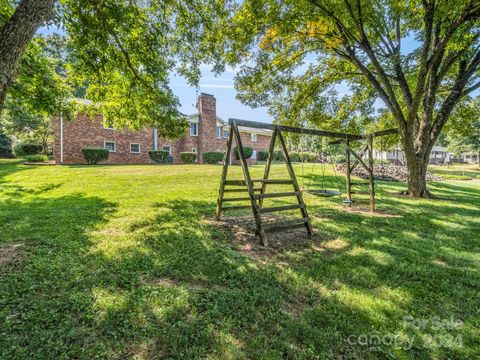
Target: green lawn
{"x": 459, "y": 172}
{"x": 126, "y": 262}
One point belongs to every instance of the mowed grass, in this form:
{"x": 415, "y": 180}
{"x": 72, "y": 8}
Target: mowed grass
{"x": 125, "y": 262}
{"x": 457, "y": 172}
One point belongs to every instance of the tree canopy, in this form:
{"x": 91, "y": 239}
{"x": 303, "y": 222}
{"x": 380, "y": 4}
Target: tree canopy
{"x": 463, "y": 130}
{"x": 124, "y": 51}
{"x": 419, "y": 57}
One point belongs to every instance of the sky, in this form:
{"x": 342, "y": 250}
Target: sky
{"x": 222, "y": 88}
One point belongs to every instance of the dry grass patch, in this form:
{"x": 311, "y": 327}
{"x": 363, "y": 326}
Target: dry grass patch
{"x": 11, "y": 254}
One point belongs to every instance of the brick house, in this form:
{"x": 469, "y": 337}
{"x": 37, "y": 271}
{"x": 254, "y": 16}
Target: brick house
{"x": 207, "y": 132}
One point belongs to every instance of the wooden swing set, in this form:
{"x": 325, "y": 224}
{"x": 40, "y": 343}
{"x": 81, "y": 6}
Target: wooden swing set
{"x": 256, "y": 188}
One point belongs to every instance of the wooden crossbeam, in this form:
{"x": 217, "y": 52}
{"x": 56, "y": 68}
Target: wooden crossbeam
{"x": 286, "y": 225}
{"x": 236, "y": 199}
{"x": 365, "y": 136}
{"x": 276, "y": 195}
{"x": 361, "y": 154}
{"x": 235, "y": 190}
{"x": 359, "y": 159}
{"x": 291, "y": 129}
{"x": 235, "y": 207}
{"x": 280, "y": 208}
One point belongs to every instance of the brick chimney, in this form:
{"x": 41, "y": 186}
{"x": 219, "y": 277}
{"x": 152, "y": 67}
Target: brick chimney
{"x": 207, "y": 108}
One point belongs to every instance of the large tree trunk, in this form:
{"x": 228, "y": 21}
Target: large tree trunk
{"x": 417, "y": 156}
{"x": 417, "y": 183}
{"x": 15, "y": 35}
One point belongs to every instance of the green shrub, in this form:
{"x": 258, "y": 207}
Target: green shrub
{"x": 94, "y": 155}
{"x": 213, "y": 157}
{"x": 22, "y": 150}
{"x": 247, "y": 151}
{"x": 278, "y": 155}
{"x": 36, "y": 158}
{"x": 295, "y": 156}
{"x": 262, "y": 155}
{"x": 310, "y": 157}
{"x": 188, "y": 157}
{"x": 159, "y": 156}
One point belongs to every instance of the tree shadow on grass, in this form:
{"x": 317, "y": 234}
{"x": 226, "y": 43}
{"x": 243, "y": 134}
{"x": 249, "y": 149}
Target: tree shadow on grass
{"x": 179, "y": 290}
{"x": 183, "y": 292}
{"x": 45, "y": 294}
{"x": 427, "y": 259}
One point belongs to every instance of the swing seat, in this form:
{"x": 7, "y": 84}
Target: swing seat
{"x": 323, "y": 192}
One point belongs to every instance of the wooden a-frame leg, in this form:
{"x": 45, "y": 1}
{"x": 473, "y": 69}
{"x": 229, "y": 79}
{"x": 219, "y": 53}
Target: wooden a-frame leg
{"x": 371, "y": 181}
{"x": 266, "y": 173}
{"x": 226, "y": 162}
{"x": 348, "y": 181}
{"x": 249, "y": 183}
{"x": 291, "y": 172}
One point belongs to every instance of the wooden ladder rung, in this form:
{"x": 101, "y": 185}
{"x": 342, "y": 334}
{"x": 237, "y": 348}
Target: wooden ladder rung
{"x": 286, "y": 225}
{"x": 280, "y": 208}
{"x": 236, "y": 207}
{"x": 275, "y": 195}
{"x": 235, "y": 182}
{"x": 274, "y": 181}
{"x": 237, "y": 199}
{"x": 240, "y": 190}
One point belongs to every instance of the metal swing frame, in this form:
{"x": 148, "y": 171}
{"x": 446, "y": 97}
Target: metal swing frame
{"x": 256, "y": 195}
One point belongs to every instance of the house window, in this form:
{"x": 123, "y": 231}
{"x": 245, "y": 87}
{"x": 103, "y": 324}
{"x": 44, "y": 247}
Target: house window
{"x": 110, "y": 146}
{"x": 254, "y": 137}
{"x": 218, "y": 132}
{"x": 254, "y": 155}
{"x": 194, "y": 150}
{"x": 135, "y": 148}
{"x": 167, "y": 148}
{"x": 225, "y": 133}
{"x": 193, "y": 129}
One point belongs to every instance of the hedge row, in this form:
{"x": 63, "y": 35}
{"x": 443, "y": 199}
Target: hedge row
{"x": 94, "y": 155}
{"x": 22, "y": 150}
{"x": 247, "y": 151}
{"x": 188, "y": 157}
{"x": 36, "y": 158}
{"x": 213, "y": 157}
{"x": 305, "y": 157}
{"x": 263, "y": 155}
{"x": 159, "y": 156}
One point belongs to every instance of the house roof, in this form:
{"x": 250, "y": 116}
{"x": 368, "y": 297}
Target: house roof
{"x": 220, "y": 122}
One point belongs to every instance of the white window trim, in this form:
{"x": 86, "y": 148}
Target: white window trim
{"x": 139, "y": 148}
{"x": 196, "y": 127}
{"x": 223, "y": 133}
{"x": 169, "y": 149}
{"x": 110, "y": 141}
{"x": 219, "y": 133}
{"x": 194, "y": 150}
{"x": 253, "y": 137}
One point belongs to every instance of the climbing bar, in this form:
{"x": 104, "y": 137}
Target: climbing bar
{"x": 285, "y": 225}
{"x": 280, "y": 208}
{"x": 275, "y": 195}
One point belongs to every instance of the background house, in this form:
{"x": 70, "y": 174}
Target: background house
{"x": 206, "y": 132}
{"x": 438, "y": 155}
